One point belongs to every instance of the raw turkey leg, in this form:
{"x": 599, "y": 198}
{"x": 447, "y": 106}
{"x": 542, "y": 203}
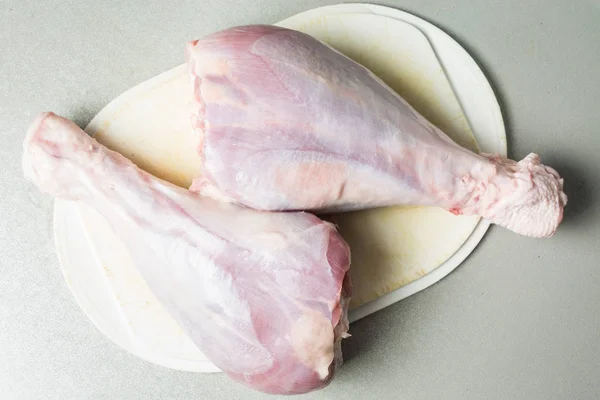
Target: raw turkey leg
{"x": 263, "y": 295}
{"x": 287, "y": 123}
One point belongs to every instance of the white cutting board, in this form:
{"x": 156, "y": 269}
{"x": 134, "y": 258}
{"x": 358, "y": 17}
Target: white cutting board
{"x": 395, "y": 252}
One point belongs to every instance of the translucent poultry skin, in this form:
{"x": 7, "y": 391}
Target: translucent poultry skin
{"x": 287, "y": 123}
{"x": 264, "y": 295}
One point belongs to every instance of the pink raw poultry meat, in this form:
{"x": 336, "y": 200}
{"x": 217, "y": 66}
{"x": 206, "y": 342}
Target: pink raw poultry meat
{"x": 287, "y": 123}
{"x": 263, "y": 295}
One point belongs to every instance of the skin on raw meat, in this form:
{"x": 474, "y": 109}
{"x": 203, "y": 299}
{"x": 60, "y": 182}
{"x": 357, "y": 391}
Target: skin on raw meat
{"x": 285, "y": 122}
{"x": 263, "y": 294}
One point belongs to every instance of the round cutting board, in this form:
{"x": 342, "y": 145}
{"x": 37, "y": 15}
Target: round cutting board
{"x": 396, "y": 251}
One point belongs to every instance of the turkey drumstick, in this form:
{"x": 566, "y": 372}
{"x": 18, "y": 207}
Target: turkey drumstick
{"x": 263, "y": 295}
{"x": 287, "y": 123}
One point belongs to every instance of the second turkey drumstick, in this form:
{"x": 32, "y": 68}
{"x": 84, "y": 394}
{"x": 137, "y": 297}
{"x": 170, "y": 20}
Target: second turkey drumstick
{"x": 285, "y": 122}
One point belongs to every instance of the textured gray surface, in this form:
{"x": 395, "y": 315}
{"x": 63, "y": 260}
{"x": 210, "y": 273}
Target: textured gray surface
{"x": 520, "y": 319}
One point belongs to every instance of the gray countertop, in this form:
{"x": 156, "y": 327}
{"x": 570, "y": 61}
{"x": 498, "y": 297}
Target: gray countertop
{"x": 520, "y": 319}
